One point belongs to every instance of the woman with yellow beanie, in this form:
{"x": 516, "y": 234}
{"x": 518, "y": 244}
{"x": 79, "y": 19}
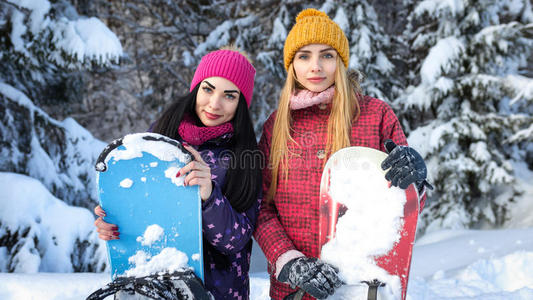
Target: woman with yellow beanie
{"x": 320, "y": 111}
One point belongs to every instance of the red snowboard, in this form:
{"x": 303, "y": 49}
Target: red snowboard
{"x": 367, "y": 226}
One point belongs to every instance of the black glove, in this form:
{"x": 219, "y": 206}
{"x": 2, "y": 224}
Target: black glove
{"x": 312, "y": 275}
{"x": 406, "y": 166}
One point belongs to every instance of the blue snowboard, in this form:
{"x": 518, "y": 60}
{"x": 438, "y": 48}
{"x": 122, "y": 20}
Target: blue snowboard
{"x": 159, "y": 219}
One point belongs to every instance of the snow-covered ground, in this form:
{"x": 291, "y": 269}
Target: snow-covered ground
{"x": 467, "y": 264}
{"x": 459, "y": 264}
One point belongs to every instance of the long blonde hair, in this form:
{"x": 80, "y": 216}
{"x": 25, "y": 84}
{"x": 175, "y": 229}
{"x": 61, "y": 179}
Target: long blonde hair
{"x": 344, "y": 110}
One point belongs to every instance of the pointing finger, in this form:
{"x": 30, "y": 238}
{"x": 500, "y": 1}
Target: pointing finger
{"x": 197, "y": 156}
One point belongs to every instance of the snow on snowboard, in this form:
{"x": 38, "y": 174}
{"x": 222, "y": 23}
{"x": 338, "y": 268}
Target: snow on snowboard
{"x": 159, "y": 219}
{"x": 367, "y": 226}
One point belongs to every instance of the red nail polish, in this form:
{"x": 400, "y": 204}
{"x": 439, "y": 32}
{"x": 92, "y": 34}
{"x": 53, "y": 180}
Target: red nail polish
{"x": 178, "y": 174}
{"x": 116, "y": 233}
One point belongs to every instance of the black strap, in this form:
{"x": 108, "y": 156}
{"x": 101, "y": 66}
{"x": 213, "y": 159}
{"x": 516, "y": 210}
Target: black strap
{"x": 373, "y": 288}
{"x": 100, "y": 165}
{"x": 298, "y": 295}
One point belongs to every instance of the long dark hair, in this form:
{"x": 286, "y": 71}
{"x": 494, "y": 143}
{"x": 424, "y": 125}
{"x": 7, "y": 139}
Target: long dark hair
{"x": 243, "y": 178}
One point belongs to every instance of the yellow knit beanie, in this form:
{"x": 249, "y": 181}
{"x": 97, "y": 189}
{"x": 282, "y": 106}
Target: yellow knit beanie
{"x": 315, "y": 27}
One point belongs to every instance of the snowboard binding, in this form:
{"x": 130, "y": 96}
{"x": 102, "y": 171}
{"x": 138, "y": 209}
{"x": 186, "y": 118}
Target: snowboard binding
{"x": 180, "y": 285}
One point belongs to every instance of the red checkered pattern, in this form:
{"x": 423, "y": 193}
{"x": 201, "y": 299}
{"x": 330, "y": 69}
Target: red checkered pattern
{"x": 290, "y": 221}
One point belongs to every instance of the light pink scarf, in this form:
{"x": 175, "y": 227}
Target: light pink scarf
{"x": 305, "y": 98}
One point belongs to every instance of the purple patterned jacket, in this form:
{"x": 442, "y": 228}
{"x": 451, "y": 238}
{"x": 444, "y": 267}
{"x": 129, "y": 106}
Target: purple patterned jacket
{"x": 227, "y": 234}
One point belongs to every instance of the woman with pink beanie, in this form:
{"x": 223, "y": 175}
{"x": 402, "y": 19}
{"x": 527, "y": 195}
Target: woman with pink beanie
{"x": 213, "y": 122}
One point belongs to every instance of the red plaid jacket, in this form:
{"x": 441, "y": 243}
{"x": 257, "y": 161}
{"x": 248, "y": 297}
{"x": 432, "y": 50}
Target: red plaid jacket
{"x": 290, "y": 221}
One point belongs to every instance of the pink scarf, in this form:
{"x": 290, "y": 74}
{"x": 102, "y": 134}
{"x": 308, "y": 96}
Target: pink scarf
{"x": 305, "y": 98}
{"x": 197, "y": 135}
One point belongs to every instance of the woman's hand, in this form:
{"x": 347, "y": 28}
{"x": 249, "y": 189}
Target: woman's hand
{"x": 316, "y": 277}
{"x": 406, "y": 166}
{"x": 199, "y": 173}
{"x": 105, "y": 230}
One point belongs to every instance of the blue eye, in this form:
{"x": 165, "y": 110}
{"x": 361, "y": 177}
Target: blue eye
{"x": 328, "y": 55}
{"x": 302, "y": 56}
{"x": 231, "y": 96}
{"x": 207, "y": 89}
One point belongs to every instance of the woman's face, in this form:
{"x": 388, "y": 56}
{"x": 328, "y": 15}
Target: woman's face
{"x": 315, "y": 66}
{"x": 216, "y": 101}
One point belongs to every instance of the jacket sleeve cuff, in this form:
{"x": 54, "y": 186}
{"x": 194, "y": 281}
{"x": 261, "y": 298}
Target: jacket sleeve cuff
{"x": 216, "y": 193}
{"x": 285, "y": 258}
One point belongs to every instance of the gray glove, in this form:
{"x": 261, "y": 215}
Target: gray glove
{"x": 315, "y": 277}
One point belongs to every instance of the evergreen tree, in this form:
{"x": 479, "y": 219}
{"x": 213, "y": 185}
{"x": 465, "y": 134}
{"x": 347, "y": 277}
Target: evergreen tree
{"x": 42, "y": 45}
{"x": 468, "y": 105}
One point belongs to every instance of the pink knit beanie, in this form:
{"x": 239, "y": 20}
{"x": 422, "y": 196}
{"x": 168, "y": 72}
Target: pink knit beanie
{"x": 227, "y": 64}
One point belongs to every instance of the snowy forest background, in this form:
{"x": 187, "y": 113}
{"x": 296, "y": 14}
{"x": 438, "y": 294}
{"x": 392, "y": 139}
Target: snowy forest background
{"x": 76, "y": 74}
